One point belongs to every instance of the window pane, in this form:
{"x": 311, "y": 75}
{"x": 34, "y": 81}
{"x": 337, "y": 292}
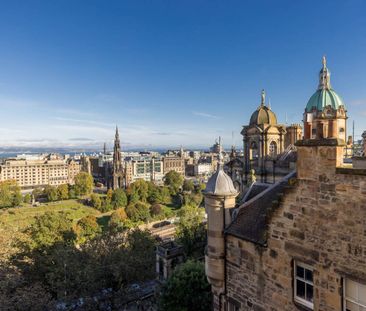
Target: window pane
{"x": 309, "y": 292}
{"x": 309, "y": 275}
{"x": 362, "y": 294}
{"x": 300, "y": 272}
{"x": 351, "y": 290}
{"x": 350, "y": 306}
{"x": 300, "y": 289}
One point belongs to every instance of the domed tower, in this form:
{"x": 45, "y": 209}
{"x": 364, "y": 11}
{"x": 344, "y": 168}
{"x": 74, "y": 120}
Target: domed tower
{"x": 325, "y": 114}
{"x": 220, "y": 195}
{"x": 263, "y": 138}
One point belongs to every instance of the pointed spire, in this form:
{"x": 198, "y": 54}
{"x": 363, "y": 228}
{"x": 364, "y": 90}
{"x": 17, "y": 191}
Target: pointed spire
{"x": 220, "y": 157}
{"x": 263, "y": 98}
{"x": 117, "y": 134}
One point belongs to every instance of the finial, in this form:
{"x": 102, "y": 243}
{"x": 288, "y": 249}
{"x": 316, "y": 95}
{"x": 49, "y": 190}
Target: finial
{"x": 220, "y": 161}
{"x": 324, "y": 61}
{"x": 263, "y": 98}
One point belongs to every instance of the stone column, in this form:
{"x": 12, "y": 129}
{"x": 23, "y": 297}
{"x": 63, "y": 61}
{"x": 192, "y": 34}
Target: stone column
{"x": 307, "y": 130}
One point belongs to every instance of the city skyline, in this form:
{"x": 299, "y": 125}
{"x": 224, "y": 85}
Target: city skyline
{"x": 163, "y": 72}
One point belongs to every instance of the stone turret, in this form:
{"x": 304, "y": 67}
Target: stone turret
{"x": 220, "y": 195}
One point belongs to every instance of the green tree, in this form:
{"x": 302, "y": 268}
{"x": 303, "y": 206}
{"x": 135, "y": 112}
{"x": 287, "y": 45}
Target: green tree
{"x": 50, "y": 228}
{"x": 138, "y": 191}
{"x": 37, "y": 193}
{"x": 51, "y": 193}
{"x": 109, "y": 195}
{"x": 83, "y": 183}
{"x": 188, "y": 185}
{"x": 138, "y": 211}
{"x": 174, "y": 181}
{"x": 95, "y": 201}
{"x": 63, "y": 192}
{"x": 119, "y": 198}
{"x": 132, "y": 212}
{"x": 155, "y": 209}
{"x": 191, "y": 232}
{"x": 87, "y": 228}
{"x": 27, "y": 198}
{"x": 119, "y": 218}
{"x": 17, "y": 197}
{"x": 10, "y": 194}
{"x": 187, "y": 289}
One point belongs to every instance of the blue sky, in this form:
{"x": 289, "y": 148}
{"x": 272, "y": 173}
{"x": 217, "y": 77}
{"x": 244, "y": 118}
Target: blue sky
{"x": 170, "y": 73}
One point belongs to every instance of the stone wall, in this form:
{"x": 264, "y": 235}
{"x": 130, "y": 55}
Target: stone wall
{"x": 321, "y": 222}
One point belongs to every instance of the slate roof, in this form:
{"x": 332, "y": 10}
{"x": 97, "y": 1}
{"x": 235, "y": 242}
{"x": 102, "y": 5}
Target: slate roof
{"x": 250, "y": 222}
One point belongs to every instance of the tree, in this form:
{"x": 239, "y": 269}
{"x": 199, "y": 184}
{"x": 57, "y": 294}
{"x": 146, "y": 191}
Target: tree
{"x": 9, "y": 194}
{"x": 17, "y": 197}
{"x": 187, "y": 289}
{"x": 188, "y": 185}
{"x": 87, "y": 228}
{"x": 95, "y": 201}
{"x": 191, "y": 232}
{"x": 174, "y": 181}
{"x": 50, "y": 228}
{"x": 37, "y": 193}
{"x": 138, "y": 191}
{"x": 83, "y": 183}
{"x": 119, "y": 218}
{"x": 51, "y": 193}
{"x": 119, "y": 198}
{"x": 27, "y": 198}
{"x": 138, "y": 211}
{"x": 63, "y": 192}
{"x": 109, "y": 195}
{"x": 155, "y": 209}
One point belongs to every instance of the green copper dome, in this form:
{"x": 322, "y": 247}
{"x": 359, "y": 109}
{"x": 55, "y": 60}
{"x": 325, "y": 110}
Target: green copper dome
{"x": 325, "y": 96}
{"x": 263, "y": 114}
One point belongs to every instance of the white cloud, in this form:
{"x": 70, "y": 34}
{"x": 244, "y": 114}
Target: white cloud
{"x": 205, "y": 115}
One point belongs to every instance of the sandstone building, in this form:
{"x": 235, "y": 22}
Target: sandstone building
{"x": 298, "y": 244}
{"x": 36, "y": 172}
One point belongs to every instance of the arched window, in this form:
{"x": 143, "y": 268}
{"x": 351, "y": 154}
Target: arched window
{"x": 273, "y": 149}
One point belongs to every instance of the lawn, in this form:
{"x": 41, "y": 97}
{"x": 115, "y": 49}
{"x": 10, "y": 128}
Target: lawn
{"x": 14, "y": 220}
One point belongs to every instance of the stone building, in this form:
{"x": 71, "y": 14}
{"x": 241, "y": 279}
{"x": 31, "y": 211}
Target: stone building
{"x": 174, "y": 163}
{"x": 41, "y": 171}
{"x": 298, "y": 244}
{"x": 325, "y": 114}
{"x": 266, "y": 141}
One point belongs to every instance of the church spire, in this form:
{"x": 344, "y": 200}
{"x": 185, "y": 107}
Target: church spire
{"x": 117, "y": 134}
{"x": 324, "y": 76}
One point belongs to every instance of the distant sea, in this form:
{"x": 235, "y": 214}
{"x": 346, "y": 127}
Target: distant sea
{"x": 13, "y": 152}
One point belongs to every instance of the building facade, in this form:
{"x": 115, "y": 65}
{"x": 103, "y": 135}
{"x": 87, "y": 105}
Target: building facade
{"x": 174, "y": 163}
{"x": 266, "y": 141}
{"x": 47, "y": 170}
{"x": 146, "y": 168}
{"x": 298, "y": 244}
